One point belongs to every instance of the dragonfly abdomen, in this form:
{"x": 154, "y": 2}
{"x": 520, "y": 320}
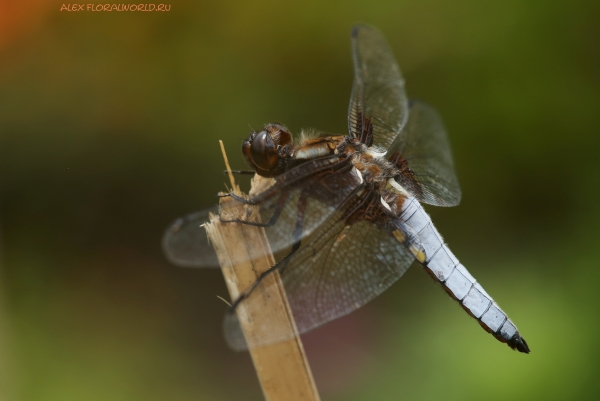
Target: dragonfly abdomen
{"x": 444, "y": 267}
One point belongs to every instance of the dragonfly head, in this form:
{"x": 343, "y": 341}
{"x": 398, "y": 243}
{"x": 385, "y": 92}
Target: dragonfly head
{"x": 261, "y": 149}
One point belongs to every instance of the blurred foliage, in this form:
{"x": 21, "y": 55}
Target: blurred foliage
{"x": 108, "y": 131}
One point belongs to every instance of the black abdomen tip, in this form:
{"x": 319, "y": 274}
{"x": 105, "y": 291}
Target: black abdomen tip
{"x": 519, "y": 343}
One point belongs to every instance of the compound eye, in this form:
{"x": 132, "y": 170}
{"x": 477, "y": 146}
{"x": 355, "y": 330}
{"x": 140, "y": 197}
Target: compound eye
{"x": 263, "y": 151}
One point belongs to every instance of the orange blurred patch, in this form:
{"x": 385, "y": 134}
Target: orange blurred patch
{"x": 21, "y": 17}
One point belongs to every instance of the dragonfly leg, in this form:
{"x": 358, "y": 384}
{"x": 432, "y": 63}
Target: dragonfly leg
{"x": 238, "y": 198}
{"x": 272, "y": 220}
{"x": 241, "y": 172}
{"x": 279, "y": 266}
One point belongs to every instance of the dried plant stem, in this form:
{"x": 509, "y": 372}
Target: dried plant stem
{"x": 244, "y": 253}
{"x": 234, "y": 188}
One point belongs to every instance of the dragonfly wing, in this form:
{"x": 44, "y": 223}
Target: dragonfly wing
{"x": 422, "y": 154}
{"x": 316, "y": 190}
{"x": 185, "y": 242}
{"x": 378, "y": 106}
{"x": 341, "y": 268}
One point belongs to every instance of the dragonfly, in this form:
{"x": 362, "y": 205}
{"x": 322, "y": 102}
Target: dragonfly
{"x": 345, "y": 211}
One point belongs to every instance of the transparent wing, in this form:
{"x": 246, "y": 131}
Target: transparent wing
{"x": 185, "y": 242}
{"x": 311, "y": 192}
{"x": 339, "y": 270}
{"x": 311, "y": 204}
{"x": 422, "y": 154}
{"x": 378, "y": 104}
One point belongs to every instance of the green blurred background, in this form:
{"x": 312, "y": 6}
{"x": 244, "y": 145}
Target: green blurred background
{"x": 109, "y": 125}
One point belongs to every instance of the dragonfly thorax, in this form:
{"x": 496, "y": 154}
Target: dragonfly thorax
{"x": 375, "y": 170}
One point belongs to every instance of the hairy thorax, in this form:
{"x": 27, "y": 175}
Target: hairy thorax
{"x": 372, "y": 169}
